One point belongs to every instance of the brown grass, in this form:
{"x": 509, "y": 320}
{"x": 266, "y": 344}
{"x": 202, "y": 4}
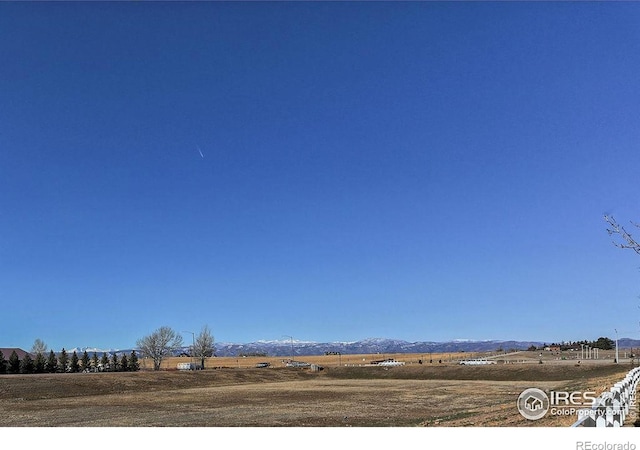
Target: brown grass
{"x": 412, "y": 395}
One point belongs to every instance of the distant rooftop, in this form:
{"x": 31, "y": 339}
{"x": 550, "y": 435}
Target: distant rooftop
{"x": 6, "y": 352}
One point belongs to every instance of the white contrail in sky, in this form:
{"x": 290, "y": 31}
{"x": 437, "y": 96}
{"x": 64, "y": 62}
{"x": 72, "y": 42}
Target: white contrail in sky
{"x": 200, "y": 151}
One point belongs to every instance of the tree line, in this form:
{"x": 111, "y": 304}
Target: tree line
{"x": 158, "y": 345}
{"x": 602, "y": 343}
{"x": 63, "y": 362}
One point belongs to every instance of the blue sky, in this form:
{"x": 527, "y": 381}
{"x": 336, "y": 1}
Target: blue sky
{"x": 330, "y": 171}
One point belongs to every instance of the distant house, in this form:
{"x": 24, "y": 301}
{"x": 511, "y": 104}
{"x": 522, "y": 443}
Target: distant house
{"x": 6, "y": 352}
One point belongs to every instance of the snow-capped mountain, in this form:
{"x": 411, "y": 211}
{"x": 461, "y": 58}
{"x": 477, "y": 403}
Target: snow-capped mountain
{"x": 369, "y": 346}
{"x": 98, "y": 351}
{"x": 295, "y": 348}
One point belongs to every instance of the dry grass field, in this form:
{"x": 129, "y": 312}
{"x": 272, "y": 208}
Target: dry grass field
{"x": 346, "y": 393}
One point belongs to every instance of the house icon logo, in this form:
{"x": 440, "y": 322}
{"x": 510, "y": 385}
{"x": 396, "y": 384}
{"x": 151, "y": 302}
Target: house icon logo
{"x": 533, "y": 403}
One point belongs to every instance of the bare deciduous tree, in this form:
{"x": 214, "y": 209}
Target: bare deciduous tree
{"x": 627, "y": 240}
{"x": 39, "y": 347}
{"x": 159, "y": 344}
{"x": 203, "y": 347}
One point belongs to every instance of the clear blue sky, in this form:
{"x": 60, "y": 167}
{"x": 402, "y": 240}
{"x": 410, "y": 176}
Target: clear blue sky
{"x": 330, "y": 171}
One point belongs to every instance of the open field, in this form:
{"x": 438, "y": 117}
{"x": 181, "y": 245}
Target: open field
{"x": 408, "y": 358}
{"x": 438, "y": 394}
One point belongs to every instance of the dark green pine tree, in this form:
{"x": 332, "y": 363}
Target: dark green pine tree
{"x": 85, "y": 362}
{"x": 40, "y": 363}
{"x": 124, "y": 363}
{"x": 134, "y": 365}
{"x": 51, "y": 366}
{"x": 14, "y": 363}
{"x": 27, "y": 365}
{"x": 115, "y": 364}
{"x": 104, "y": 361}
{"x": 94, "y": 361}
{"x": 74, "y": 366}
{"x": 3, "y": 363}
{"x": 63, "y": 361}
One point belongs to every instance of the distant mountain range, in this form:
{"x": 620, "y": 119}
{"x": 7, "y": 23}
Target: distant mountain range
{"x": 380, "y": 345}
{"x": 366, "y": 346}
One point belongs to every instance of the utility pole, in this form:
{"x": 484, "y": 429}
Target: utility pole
{"x": 290, "y": 337}
{"x": 616, "y": 344}
{"x": 193, "y": 348}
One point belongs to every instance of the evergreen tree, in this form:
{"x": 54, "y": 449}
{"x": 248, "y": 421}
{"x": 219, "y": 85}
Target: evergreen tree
{"x": 134, "y": 365}
{"x": 95, "y": 361}
{"x": 75, "y": 363}
{"x": 3, "y": 363}
{"x": 14, "y": 363}
{"x": 604, "y": 343}
{"x": 40, "y": 363}
{"x": 39, "y": 348}
{"x": 51, "y": 366}
{"x": 124, "y": 363}
{"x": 104, "y": 361}
{"x": 86, "y": 362}
{"x": 63, "y": 361}
{"x": 115, "y": 364}
{"x": 27, "y": 365}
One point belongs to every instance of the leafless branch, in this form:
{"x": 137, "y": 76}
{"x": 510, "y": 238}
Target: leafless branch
{"x": 619, "y": 230}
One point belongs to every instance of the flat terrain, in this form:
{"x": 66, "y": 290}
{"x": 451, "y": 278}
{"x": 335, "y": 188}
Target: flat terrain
{"x": 438, "y": 394}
